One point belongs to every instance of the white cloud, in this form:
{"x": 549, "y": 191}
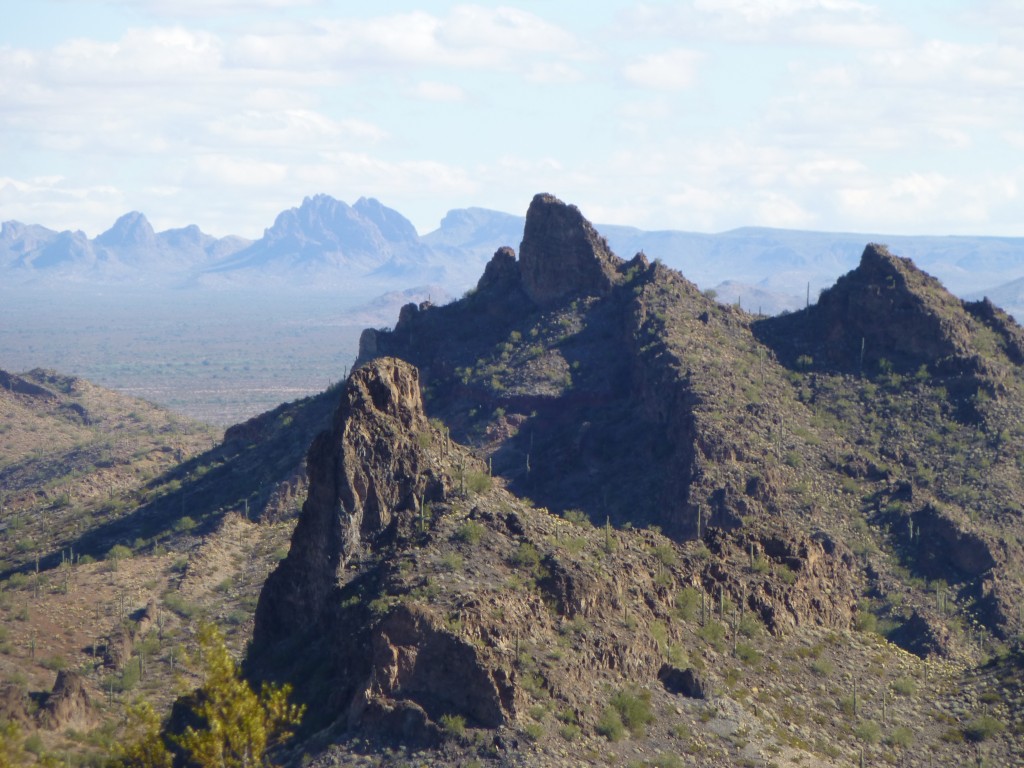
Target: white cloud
{"x": 431, "y": 90}
{"x": 781, "y": 22}
{"x": 291, "y": 128}
{"x": 468, "y": 37}
{"x": 670, "y": 70}
{"x": 239, "y": 171}
{"x": 153, "y": 56}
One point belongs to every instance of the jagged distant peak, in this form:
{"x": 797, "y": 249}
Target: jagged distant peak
{"x": 322, "y": 215}
{"x": 131, "y": 229}
{"x": 393, "y": 225}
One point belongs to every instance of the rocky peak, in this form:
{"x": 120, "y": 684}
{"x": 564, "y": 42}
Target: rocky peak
{"x": 363, "y": 473}
{"x": 889, "y": 309}
{"x": 132, "y": 230}
{"x": 562, "y": 254}
{"x": 501, "y": 271}
{"x": 392, "y": 225}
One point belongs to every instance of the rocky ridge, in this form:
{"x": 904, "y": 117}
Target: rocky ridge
{"x": 423, "y": 595}
{"x": 807, "y": 449}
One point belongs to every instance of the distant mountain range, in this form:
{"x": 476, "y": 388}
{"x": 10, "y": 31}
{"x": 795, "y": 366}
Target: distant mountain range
{"x": 368, "y": 248}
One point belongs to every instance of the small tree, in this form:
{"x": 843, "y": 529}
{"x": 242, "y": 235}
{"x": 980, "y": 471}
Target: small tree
{"x": 239, "y": 725}
{"x": 145, "y": 746}
{"x": 11, "y": 753}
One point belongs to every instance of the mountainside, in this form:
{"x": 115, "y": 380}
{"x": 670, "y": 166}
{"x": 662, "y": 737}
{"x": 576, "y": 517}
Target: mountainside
{"x": 115, "y": 541}
{"x": 628, "y": 523}
{"x": 584, "y": 515}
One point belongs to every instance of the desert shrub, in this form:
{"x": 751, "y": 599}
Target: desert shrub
{"x": 470, "y": 532}
{"x": 454, "y": 726}
{"x": 184, "y": 524}
{"x": 904, "y": 686}
{"x": 610, "y": 725}
{"x": 526, "y": 557}
{"x": 687, "y": 603}
{"x": 478, "y": 482}
{"x": 569, "y": 731}
{"x": 179, "y": 605}
{"x": 983, "y": 728}
{"x": 577, "y": 517}
{"x": 451, "y": 562}
{"x": 822, "y": 667}
{"x": 116, "y": 553}
{"x": 634, "y": 710}
{"x": 900, "y": 737}
{"x": 747, "y": 654}
{"x": 533, "y": 731}
{"x": 868, "y": 731}
{"x": 665, "y": 554}
{"x": 749, "y": 626}
{"x": 713, "y": 633}
{"x": 34, "y": 744}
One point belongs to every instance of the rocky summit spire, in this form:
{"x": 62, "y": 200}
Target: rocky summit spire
{"x": 562, "y": 254}
{"x": 363, "y": 472}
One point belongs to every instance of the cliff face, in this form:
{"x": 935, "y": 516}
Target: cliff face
{"x": 562, "y": 254}
{"x": 364, "y": 472}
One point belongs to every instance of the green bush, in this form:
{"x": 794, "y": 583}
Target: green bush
{"x": 116, "y": 553}
{"x": 569, "y": 731}
{"x": 900, "y": 737}
{"x": 687, "y": 603}
{"x": 453, "y": 726}
{"x": 868, "y": 731}
{"x": 577, "y": 517}
{"x": 713, "y": 633}
{"x": 184, "y": 524}
{"x": 904, "y": 686}
{"x": 822, "y": 667}
{"x": 478, "y": 482}
{"x": 470, "y": 532}
{"x": 179, "y": 605}
{"x": 747, "y": 654}
{"x": 526, "y": 557}
{"x": 610, "y": 725}
{"x": 634, "y": 710}
{"x": 983, "y": 728}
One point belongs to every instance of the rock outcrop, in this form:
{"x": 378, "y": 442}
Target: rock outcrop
{"x": 363, "y": 472}
{"x": 68, "y": 704}
{"x": 562, "y": 254}
{"x": 889, "y": 309}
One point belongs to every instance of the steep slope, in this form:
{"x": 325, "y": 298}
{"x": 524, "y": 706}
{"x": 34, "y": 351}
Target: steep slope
{"x": 422, "y": 596}
{"x": 72, "y": 454}
{"x": 422, "y": 607}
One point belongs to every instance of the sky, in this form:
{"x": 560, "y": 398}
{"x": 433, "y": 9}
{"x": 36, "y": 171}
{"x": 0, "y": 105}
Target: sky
{"x": 896, "y": 117}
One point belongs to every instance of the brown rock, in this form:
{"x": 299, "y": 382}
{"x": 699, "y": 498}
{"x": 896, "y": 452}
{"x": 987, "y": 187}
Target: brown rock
{"x": 362, "y": 473}
{"x": 68, "y": 704}
{"x": 14, "y": 704}
{"x": 562, "y": 254}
